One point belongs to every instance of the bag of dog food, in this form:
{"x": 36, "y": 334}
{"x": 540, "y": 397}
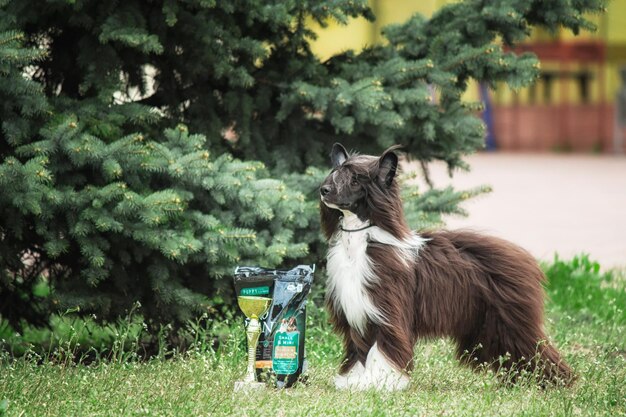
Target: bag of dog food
{"x": 280, "y": 351}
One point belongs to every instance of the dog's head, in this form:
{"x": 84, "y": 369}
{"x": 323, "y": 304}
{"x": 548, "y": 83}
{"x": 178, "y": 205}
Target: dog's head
{"x": 346, "y": 187}
{"x": 360, "y": 184}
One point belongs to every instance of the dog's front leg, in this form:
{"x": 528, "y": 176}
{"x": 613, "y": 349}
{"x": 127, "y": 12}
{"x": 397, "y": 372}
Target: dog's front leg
{"x": 352, "y": 378}
{"x": 352, "y": 370}
{"x": 382, "y": 373}
{"x": 390, "y": 357}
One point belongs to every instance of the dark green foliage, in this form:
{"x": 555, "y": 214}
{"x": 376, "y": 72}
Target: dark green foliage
{"x": 247, "y": 65}
{"x": 130, "y": 131}
{"x": 23, "y": 183}
{"x": 109, "y": 215}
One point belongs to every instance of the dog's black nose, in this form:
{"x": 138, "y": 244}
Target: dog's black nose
{"x": 325, "y": 189}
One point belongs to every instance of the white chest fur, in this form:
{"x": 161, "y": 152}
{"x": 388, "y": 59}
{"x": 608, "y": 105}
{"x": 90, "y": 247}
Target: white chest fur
{"x": 350, "y": 272}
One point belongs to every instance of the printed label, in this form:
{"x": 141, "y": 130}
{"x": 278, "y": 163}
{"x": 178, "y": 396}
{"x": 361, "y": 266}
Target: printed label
{"x": 264, "y": 353}
{"x": 255, "y": 291}
{"x": 285, "y": 354}
{"x": 263, "y": 364}
{"x": 295, "y": 287}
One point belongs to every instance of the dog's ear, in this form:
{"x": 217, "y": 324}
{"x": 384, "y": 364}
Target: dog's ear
{"x": 338, "y": 155}
{"x": 387, "y": 166}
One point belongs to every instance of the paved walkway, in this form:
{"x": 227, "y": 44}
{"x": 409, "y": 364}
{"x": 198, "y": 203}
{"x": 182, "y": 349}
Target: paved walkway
{"x": 547, "y": 203}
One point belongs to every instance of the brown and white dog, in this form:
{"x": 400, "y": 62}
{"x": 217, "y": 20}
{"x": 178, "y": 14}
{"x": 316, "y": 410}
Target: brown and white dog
{"x": 388, "y": 286}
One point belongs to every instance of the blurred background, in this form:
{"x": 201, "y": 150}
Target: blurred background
{"x": 574, "y": 105}
{"x": 559, "y": 174}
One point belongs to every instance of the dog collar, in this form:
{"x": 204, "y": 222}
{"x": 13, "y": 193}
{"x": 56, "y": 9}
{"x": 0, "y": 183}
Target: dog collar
{"x": 355, "y": 230}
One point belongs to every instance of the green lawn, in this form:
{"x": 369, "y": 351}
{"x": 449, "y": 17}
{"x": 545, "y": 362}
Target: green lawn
{"x": 591, "y": 334}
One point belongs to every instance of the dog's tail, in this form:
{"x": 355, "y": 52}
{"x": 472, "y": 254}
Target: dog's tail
{"x": 511, "y": 334}
{"x": 552, "y": 367}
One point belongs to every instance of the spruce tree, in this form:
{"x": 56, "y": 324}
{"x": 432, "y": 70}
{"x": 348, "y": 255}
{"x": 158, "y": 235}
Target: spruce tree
{"x": 131, "y": 134}
{"x": 110, "y": 215}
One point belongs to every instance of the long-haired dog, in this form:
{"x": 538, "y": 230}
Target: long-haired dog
{"x": 388, "y": 286}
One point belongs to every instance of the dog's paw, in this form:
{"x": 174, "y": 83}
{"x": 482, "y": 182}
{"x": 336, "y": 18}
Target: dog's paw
{"x": 352, "y": 379}
{"x": 388, "y": 382}
{"x": 382, "y": 374}
{"x": 341, "y": 382}
{"x": 353, "y": 383}
{"x": 393, "y": 382}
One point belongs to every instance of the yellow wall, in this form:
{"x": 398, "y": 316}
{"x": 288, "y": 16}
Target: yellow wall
{"x": 612, "y": 30}
{"x": 336, "y": 38}
{"x": 359, "y": 32}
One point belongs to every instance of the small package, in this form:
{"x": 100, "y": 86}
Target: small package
{"x": 281, "y": 348}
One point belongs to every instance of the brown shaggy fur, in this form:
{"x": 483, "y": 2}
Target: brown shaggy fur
{"x": 483, "y": 292}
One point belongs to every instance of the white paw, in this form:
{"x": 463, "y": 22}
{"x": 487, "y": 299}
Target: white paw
{"x": 389, "y": 382}
{"x": 355, "y": 383}
{"x": 352, "y": 378}
{"x": 382, "y": 374}
{"x": 341, "y": 381}
{"x": 393, "y": 382}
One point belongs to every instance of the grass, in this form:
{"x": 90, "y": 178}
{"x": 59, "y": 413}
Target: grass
{"x": 585, "y": 317}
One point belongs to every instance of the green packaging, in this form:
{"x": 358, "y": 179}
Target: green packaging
{"x": 281, "y": 348}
